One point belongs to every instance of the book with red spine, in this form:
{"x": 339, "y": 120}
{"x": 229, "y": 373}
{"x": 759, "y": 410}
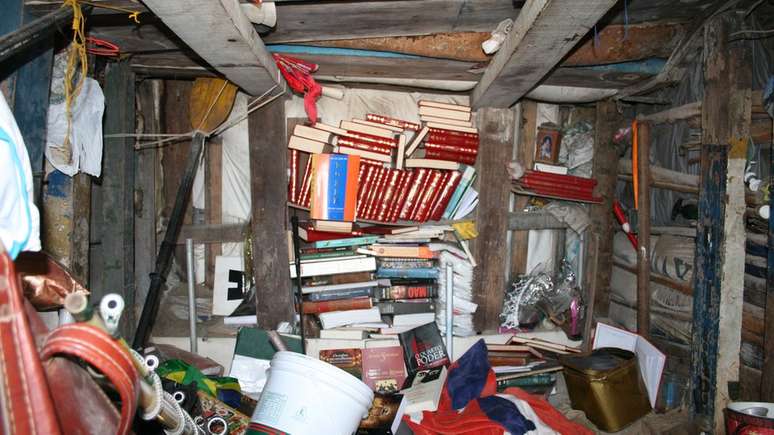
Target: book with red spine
{"x": 445, "y": 132}
{"x": 317, "y": 307}
{"x": 364, "y": 145}
{"x": 458, "y": 141}
{"x": 386, "y": 120}
{"x": 413, "y": 192}
{"x": 308, "y": 233}
{"x": 438, "y": 192}
{"x": 468, "y": 159}
{"x": 306, "y": 184}
{"x": 436, "y": 213}
{"x": 293, "y": 176}
{"x": 425, "y": 193}
{"x": 373, "y": 191}
{"x": 365, "y": 188}
{"x": 448, "y": 148}
{"x": 389, "y": 193}
{"x": 400, "y": 197}
{"x": 372, "y": 138}
{"x": 428, "y": 198}
{"x": 380, "y": 189}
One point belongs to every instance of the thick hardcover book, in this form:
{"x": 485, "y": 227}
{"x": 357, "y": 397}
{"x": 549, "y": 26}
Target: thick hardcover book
{"x": 468, "y": 159}
{"x": 381, "y": 173}
{"x": 447, "y": 106}
{"x": 335, "y": 319}
{"x": 452, "y": 149}
{"x": 389, "y": 195}
{"x": 377, "y": 158}
{"x": 364, "y": 145}
{"x": 444, "y": 113}
{"x": 423, "y": 390}
{"x": 416, "y": 140}
{"x": 336, "y": 266}
{"x": 386, "y": 120}
{"x": 373, "y": 207}
{"x": 432, "y": 163}
{"x": 449, "y": 127}
{"x": 446, "y": 121}
{"x": 313, "y": 134}
{"x": 309, "y": 234}
{"x": 427, "y": 194}
{"x": 367, "y": 129}
{"x": 401, "y": 251}
{"x": 349, "y": 360}
{"x": 334, "y": 187}
{"x": 387, "y": 230}
{"x": 317, "y": 307}
{"x": 327, "y": 282}
{"x": 334, "y": 295}
{"x": 406, "y": 292}
{"x": 303, "y": 194}
{"x": 453, "y": 140}
{"x": 378, "y": 140}
{"x": 292, "y": 175}
{"x": 308, "y": 145}
{"x": 400, "y": 199}
{"x": 436, "y": 213}
{"x": 419, "y": 272}
{"x": 383, "y": 369}
{"x": 415, "y": 192}
{"x": 307, "y": 251}
{"x": 392, "y": 128}
{"x": 423, "y": 348}
{"x": 352, "y": 241}
{"x": 447, "y": 132}
{"x": 323, "y": 255}
{"x": 392, "y": 308}
{"x": 468, "y": 175}
{"x": 359, "y": 283}
{"x": 365, "y": 189}
{"x": 405, "y": 263}
{"x": 436, "y": 196}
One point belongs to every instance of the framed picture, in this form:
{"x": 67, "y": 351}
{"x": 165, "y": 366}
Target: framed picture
{"x": 547, "y": 147}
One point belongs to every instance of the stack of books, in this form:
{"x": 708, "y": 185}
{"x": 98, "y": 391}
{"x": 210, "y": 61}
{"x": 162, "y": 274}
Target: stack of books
{"x": 427, "y": 177}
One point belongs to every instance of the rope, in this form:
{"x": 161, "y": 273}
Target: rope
{"x": 133, "y": 15}
{"x": 212, "y": 104}
{"x": 77, "y": 58}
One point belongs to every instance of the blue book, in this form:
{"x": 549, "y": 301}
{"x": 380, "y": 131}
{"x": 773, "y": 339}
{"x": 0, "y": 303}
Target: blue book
{"x": 352, "y": 241}
{"x": 418, "y": 273}
{"x": 468, "y": 175}
{"x": 333, "y": 295}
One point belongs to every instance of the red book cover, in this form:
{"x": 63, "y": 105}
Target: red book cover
{"x": 373, "y": 208}
{"x": 317, "y": 307}
{"x": 431, "y": 193}
{"x": 373, "y": 191}
{"x": 364, "y": 145}
{"x": 371, "y": 138}
{"x": 365, "y": 188}
{"x": 443, "y": 199}
{"x": 453, "y": 140}
{"x": 425, "y": 193}
{"x": 303, "y": 195}
{"x": 389, "y": 194}
{"x": 386, "y": 120}
{"x": 443, "y": 131}
{"x": 457, "y": 149}
{"x": 467, "y": 159}
{"x": 400, "y": 196}
{"x": 383, "y": 369}
{"x": 309, "y": 234}
{"x": 293, "y": 176}
{"x": 413, "y": 192}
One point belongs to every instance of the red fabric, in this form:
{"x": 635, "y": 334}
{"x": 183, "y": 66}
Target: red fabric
{"x": 548, "y": 414}
{"x": 298, "y": 74}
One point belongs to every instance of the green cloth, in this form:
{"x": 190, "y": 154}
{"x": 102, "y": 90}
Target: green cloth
{"x": 183, "y": 373}
{"x": 254, "y": 343}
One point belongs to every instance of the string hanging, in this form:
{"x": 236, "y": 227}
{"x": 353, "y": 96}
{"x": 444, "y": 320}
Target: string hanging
{"x": 77, "y": 59}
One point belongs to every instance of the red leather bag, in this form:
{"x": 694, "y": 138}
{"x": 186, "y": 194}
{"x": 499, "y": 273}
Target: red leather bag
{"x": 44, "y": 389}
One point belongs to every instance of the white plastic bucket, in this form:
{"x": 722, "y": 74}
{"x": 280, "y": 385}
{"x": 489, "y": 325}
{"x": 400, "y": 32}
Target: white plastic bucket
{"x": 305, "y": 396}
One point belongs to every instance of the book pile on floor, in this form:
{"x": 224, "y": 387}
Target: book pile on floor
{"x": 380, "y": 174}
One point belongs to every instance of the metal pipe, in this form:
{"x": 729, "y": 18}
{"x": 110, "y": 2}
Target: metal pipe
{"x": 450, "y": 310}
{"x": 189, "y": 258}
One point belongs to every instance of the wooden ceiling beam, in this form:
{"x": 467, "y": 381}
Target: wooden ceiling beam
{"x": 544, "y": 32}
{"x": 219, "y": 32}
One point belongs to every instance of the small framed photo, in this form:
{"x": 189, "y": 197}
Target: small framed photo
{"x": 548, "y": 141}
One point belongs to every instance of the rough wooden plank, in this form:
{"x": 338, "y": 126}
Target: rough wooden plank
{"x": 519, "y": 220}
{"x": 268, "y": 175}
{"x": 113, "y": 269}
{"x": 147, "y": 162}
{"x": 663, "y": 178}
{"x": 544, "y": 32}
{"x": 214, "y": 158}
{"x": 79, "y": 238}
{"x": 767, "y": 384}
{"x": 525, "y": 156}
{"x": 496, "y": 129}
{"x": 686, "y": 111}
{"x": 221, "y": 34}
{"x": 213, "y": 233}
{"x": 643, "y": 232}
{"x": 604, "y": 170}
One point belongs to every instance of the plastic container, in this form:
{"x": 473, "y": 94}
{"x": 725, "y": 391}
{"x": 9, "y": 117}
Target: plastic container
{"x": 305, "y": 396}
{"x": 747, "y": 418}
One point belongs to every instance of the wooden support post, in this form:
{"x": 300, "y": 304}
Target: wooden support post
{"x": 767, "y": 382}
{"x": 496, "y": 129}
{"x": 112, "y": 266}
{"x": 604, "y": 170}
{"x": 269, "y": 193}
{"x": 643, "y": 233}
{"x": 147, "y": 162}
{"x": 525, "y": 157}
{"x": 720, "y": 235}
